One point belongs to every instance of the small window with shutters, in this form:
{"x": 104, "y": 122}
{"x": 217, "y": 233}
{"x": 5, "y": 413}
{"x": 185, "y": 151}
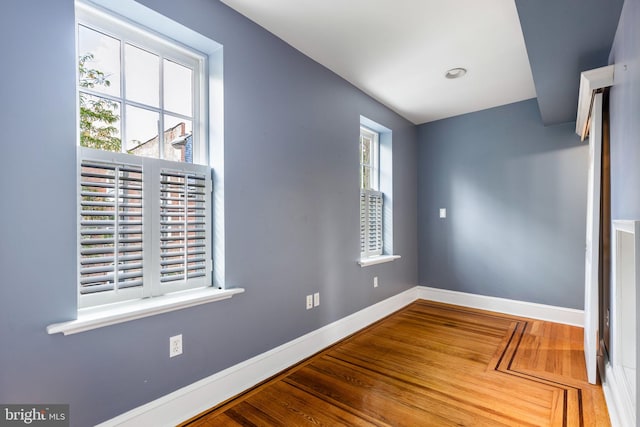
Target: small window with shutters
{"x": 371, "y": 200}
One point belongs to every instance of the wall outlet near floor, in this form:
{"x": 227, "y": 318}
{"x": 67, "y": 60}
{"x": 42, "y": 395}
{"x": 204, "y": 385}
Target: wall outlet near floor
{"x": 175, "y": 345}
{"x": 375, "y": 281}
{"x": 309, "y": 302}
{"x": 316, "y": 299}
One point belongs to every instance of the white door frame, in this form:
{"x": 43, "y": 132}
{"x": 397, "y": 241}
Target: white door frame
{"x": 592, "y": 250}
{"x": 589, "y": 122}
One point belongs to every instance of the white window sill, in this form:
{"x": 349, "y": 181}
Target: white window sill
{"x": 365, "y": 262}
{"x": 98, "y": 317}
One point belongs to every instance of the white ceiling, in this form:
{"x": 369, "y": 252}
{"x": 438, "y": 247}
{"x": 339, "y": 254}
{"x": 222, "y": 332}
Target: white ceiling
{"x": 398, "y": 51}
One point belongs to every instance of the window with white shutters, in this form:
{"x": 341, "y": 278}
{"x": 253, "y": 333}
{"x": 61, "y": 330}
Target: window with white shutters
{"x": 144, "y": 227}
{"x": 144, "y": 187}
{"x": 371, "y": 199}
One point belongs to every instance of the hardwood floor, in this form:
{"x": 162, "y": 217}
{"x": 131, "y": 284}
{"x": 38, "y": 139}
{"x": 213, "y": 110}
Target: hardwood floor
{"x": 431, "y": 364}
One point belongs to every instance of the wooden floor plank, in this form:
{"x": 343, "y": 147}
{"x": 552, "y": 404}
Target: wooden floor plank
{"x": 481, "y": 387}
{"x": 432, "y": 364}
{"x": 289, "y": 405}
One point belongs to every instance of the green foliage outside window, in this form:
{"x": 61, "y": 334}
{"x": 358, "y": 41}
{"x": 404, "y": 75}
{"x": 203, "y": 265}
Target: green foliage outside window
{"x": 98, "y": 116}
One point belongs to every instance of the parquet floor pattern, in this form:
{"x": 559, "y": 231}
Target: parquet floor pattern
{"x": 431, "y": 364}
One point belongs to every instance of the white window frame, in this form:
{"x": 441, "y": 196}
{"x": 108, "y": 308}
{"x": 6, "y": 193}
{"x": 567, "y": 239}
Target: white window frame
{"x": 371, "y": 200}
{"x": 376, "y": 202}
{"x": 129, "y": 32}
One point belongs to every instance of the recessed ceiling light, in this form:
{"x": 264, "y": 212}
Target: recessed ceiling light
{"x": 456, "y": 73}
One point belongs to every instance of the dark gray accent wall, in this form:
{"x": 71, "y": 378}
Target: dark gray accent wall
{"x": 564, "y": 38}
{"x": 515, "y": 194}
{"x": 291, "y": 156}
{"x": 624, "y": 110}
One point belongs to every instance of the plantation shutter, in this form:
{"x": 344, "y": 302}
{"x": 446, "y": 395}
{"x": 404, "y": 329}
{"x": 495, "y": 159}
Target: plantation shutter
{"x": 110, "y": 227}
{"x": 370, "y": 223}
{"x": 183, "y": 232}
{"x": 363, "y": 221}
{"x": 144, "y": 227}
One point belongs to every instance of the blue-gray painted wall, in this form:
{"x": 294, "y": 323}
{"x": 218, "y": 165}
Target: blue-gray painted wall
{"x": 515, "y": 194}
{"x": 292, "y": 220}
{"x": 624, "y": 109}
{"x": 564, "y": 38}
{"x": 625, "y": 116}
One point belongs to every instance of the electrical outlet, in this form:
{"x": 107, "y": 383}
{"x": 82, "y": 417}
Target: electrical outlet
{"x": 443, "y": 212}
{"x": 309, "y": 302}
{"x": 375, "y": 281}
{"x": 316, "y": 299}
{"x": 175, "y": 345}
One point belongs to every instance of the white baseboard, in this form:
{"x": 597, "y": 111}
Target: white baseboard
{"x": 196, "y": 398}
{"x": 568, "y": 316}
{"x": 619, "y": 404}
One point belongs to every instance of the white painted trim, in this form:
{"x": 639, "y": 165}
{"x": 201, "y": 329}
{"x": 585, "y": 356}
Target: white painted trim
{"x": 621, "y": 412}
{"x": 589, "y": 81}
{"x": 618, "y": 388}
{"x": 365, "y": 262}
{"x": 568, "y": 316}
{"x": 111, "y": 314}
{"x": 592, "y": 243}
{"x": 195, "y": 398}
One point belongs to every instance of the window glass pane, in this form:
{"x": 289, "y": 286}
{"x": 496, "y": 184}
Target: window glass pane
{"x": 365, "y": 150}
{"x": 178, "y": 89}
{"x": 178, "y": 137}
{"x": 98, "y": 61}
{"x": 142, "y": 76}
{"x": 142, "y": 132}
{"x": 365, "y": 174}
{"x": 99, "y": 123}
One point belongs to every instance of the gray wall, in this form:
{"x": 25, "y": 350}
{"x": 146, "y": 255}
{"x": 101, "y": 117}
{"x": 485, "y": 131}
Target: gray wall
{"x": 625, "y": 116}
{"x": 624, "y": 108}
{"x": 564, "y": 38}
{"x": 515, "y": 193}
{"x": 291, "y": 155}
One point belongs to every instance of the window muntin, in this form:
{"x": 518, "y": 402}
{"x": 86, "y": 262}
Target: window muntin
{"x": 150, "y": 84}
